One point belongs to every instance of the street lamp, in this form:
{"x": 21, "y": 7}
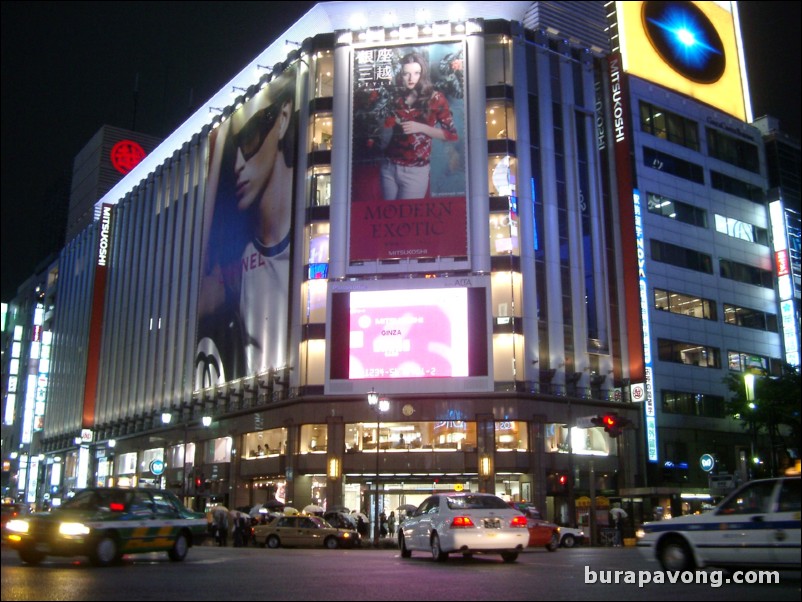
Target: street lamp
{"x": 379, "y": 405}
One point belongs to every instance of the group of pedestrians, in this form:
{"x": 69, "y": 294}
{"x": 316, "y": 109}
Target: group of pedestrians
{"x": 387, "y": 524}
{"x": 221, "y": 523}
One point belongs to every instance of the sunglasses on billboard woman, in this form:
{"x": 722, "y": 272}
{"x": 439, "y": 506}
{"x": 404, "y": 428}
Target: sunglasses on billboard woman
{"x": 250, "y": 138}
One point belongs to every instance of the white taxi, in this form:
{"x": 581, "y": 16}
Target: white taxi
{"x": 464, "y": 523}
{"x": 758, "y": 525}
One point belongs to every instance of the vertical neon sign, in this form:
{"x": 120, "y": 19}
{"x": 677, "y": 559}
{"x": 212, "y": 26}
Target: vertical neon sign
{"x": 648, "y": 406}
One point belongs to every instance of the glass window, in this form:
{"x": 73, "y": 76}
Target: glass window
{"x": 500, "y": 120}
{"x": 314, "y": 438}
{"x": 691, "y": 354}
{"x": 259, "y": 444}
{"x": 411, "y": 436}
{"x": 317, "y": 243}
{"x": 503, "y": 234}
{"x": 324, "y": 74}
{"x": 502, "y": 175}
{"x": 320, "y": 187}
{"x": 498, "y": 62}
{"x": 742, "y": 230}
{"x": 682, "y": 212}
{"x": 217, "y": 450}
{"x": 320, "y": 136}
{"x": 512, "y": 435}
{"x": 681, "y": 257}
{"x": 749, "y": 318}
{"x": 686, "y": 305}
{"x": 754, "y": 498}
{"x": 584, "y": 442}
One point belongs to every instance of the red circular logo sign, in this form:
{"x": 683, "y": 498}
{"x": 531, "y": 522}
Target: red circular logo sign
{"x": 125, "y": 155}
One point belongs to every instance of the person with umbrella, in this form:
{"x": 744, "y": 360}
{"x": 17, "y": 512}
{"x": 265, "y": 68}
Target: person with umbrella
{"x": 220, "y": 515}
{"x": 618, "y": 515}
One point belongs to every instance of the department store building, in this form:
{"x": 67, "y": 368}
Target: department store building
{"x": 565, "y": 261}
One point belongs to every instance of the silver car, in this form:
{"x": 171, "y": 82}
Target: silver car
{"x": 464, "y": 523}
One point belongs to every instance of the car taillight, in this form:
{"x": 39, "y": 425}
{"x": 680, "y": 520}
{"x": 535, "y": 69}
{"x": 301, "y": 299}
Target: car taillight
{"x": 116, "y": 507}
{"x": 518, "y": 521}
{"x": 461, "y": 522}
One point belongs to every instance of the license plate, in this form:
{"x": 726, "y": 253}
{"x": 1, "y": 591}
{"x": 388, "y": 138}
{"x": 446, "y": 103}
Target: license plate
{"x": 491, "y": 523}
{"x": 41, "y": 546}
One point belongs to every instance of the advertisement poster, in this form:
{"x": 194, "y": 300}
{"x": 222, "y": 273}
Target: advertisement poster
{"x": 244, "y": 288}
{"x": 408, "y": 333}
{"x": 408, "y": 191}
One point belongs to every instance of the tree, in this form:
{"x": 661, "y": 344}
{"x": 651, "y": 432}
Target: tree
{"x": 774, "y": 410}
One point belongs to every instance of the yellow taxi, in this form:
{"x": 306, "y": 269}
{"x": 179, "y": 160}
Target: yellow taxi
{"x": 106, "y": 523}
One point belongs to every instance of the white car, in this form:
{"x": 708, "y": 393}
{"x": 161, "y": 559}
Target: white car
{"x": 758, "y": 525}
{"x": 570, "y": 537}
{"x": 464, "y": 523}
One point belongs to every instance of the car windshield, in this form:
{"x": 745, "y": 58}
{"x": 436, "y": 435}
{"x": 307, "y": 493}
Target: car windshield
{"x": 107, "y": 499}
{"x": 476, "y": 502}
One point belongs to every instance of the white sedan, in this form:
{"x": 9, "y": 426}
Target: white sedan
{"x": 464, "y": 523}
{"x": 758, "y": 525}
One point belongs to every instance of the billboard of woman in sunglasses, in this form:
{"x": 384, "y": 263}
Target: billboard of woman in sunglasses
{"x": 244, "y": 289}
{"x": 408, "y": 165}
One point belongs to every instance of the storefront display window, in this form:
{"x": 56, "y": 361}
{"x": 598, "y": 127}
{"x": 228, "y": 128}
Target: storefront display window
{"x": 260, "y": 444}
{"x": 511, "y": 436}
{"x": 217, "y": 451}
{"x": 314, "y": 439}
{"x": 584, "y": 442}
{"x": 411, "y": 436}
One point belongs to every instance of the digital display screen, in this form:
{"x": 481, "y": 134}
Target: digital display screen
{"x": 409, "y": 333}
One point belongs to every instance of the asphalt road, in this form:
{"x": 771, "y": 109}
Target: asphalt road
{"x": 211, "y": 573}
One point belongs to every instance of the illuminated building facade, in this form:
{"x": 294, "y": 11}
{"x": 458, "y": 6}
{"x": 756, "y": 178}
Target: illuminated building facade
{"x": 490, "y": 251}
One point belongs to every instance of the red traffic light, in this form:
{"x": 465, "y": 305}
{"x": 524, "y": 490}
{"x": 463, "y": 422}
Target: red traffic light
{"x": 563, "y": 479}
{"x": 609, "y": 420}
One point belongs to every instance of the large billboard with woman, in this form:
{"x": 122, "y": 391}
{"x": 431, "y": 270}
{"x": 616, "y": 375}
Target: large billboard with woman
{"x": 408, "y": 191}
{"x": 244, "y": 289}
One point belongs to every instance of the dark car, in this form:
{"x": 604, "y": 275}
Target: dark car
{"x": 105, "y": 523}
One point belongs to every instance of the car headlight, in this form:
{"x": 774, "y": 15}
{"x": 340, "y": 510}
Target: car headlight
{"x": 640, "y": 533}
{"x": 18, "y": 526}
{"x": 72, "y": 529}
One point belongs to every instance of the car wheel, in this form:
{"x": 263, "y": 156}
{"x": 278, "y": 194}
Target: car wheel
{"x": 30, "y": 556}
{"x": 106, "y": 551}
{"x": 569, "y": 541}
{"x": 180, "y": 548}
{"x": 509, "y": 556}
{"x": 675, "y": 555}
{"x": 273, "y": 541}
{"x": 402, "y": 543}
{"x": 554, "y": 543}
{"x": 331, "y": 543}
{"x": 437, "y": 552}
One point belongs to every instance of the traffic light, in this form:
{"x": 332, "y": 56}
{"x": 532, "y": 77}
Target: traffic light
{"x": 562, "y": 480}
{"x": 613, "y": 423}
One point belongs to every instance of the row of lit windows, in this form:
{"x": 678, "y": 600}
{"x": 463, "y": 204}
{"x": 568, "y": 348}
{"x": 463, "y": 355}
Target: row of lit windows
{"x": 698, "y": 307}
{"x": 695, "y": 216}
{"x": 693, "y": 404}
{"x": 683, "y": 257}
{"x": 683, "y": 131}
{"x": 694, "y": 354}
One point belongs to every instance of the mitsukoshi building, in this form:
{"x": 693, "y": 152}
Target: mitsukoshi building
{"x": 497, "y": 220}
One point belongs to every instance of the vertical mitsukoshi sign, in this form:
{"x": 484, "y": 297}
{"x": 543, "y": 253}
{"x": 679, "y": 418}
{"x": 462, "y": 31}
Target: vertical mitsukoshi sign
{"x": 102, "y": 258}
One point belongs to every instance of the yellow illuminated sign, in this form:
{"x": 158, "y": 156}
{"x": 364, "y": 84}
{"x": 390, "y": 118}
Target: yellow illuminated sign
{"x": 690, "y": 47}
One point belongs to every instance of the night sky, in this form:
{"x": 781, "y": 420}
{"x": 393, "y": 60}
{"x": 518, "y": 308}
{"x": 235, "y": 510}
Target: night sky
{"x": 70, "y": 67}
